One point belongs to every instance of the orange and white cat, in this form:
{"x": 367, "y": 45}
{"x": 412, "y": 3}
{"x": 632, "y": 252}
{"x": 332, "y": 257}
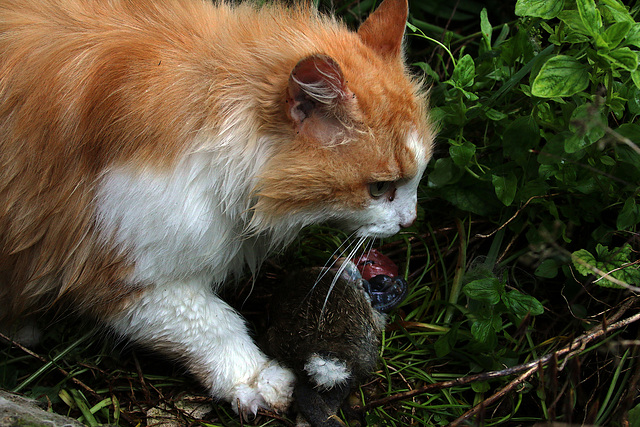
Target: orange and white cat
{"x": 150, "y": 150}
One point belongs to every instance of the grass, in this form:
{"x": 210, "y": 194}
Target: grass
{"x": 431, "y": 372}
{"x": 531, "y": 197}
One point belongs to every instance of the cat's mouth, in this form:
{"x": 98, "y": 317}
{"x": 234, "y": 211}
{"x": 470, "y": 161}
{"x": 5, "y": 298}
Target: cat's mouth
{"x": 376, "y": 231}
{"x": 371, "y": 230}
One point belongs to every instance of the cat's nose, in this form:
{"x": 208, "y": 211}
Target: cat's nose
{"x": 409, "y": 218}
{"x": 408, "y": 221}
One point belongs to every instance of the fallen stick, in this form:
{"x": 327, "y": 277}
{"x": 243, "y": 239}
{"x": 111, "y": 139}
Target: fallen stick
{"x": 527, "y": 369}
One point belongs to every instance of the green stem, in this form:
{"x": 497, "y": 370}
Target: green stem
{"x": 52, "y": 363}
{"x": 460, "y": 270}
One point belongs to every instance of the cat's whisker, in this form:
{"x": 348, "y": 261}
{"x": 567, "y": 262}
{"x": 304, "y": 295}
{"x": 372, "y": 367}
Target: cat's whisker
{"x": 340, "y": 250}
{"x": 367, "y": 248}
{"x": 370, "y": 248}
{"x": 335, "y": 256}
{"x": 352, "y": 254}
{"x": 332, "y": 260}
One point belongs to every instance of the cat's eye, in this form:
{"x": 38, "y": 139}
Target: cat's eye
{"x": 380, "y": 188}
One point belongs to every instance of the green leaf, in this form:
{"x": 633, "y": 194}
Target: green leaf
{"x": 615, "y": 11}
{"x": 465, "y": 72}
{"x": 607, "y": 160}
{"x": 471, "y": 198}
{"x": 572, "y": 19}
{"x": 495, "y": 115}
{"x": 633, "y": 36}
{"x": 548, "y": 269}
{"x": 480, "y": 386}
{"x": 633, "y": 101}
{"x": 587, "y": 258}
{"x": 616, "y": 262}
{"x": 66, "y": 397}
{"x": 488, "y": 290}
{"x": 469, "y": 95}
{"x": 485, "y": 27}
{"x": 635, "y": 76}
{"x": 630, "y": 130}
{"x": 443, "y": 173}
{"x": 441, "y": 114}
{"x": 590, "y": 16}
{"x": 600, "y": 43}
{"x": 629, "y": 215}
{"x": 426, "y": 68}
{"x": 545, "y": 9}
{"x": 520, "y": 136}
{"x": 634, "y": 416}
{"x": 560, "y": 76}
{"x": 521, "y": 304}
{"x": 483, "y": 331}
{"x": 81, "y": 402}
{"x": 623, "y": 57}
{"x": 587, "y": 125}
{"x": 462, "y": 154}
{"x": 506, "y": 187}
{"x": 373, "y": 419}
{"x": 443, "y": 345}
{"x": 616, "y": 33}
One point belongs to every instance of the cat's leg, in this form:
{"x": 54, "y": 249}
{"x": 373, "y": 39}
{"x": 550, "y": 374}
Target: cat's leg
{"x": 188, "y": 321}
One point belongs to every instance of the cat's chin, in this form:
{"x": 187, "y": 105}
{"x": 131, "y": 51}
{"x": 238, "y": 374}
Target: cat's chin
{"x": 376, "y": 232}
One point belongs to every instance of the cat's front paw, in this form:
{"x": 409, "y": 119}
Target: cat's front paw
{"x": 271, "y": 388}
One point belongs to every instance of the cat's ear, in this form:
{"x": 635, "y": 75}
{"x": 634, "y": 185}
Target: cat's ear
{"x": 383, "y": 29}
{"x": 317, "y": 91}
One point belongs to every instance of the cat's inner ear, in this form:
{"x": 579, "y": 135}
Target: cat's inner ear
{"x": 317, "y": 93}
{"x": 383, "y": 30}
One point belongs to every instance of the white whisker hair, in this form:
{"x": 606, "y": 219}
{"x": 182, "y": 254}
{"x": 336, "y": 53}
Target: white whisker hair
{"x": 358, "y": 244}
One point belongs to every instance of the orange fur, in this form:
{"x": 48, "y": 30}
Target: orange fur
{"x": 89, "y": 85}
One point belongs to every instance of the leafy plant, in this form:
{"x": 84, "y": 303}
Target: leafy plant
{"x": 534, "y": 121}
{"x": 616, "y": 264}
{"x": 529, "y": 222}
{"x": 539, "y": 138}
{"x": 490, "y": 301}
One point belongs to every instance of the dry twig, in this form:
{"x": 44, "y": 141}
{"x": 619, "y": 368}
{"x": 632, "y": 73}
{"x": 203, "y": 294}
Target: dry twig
{"x": 43, "y": 360}
{"x": 526, "y": 370}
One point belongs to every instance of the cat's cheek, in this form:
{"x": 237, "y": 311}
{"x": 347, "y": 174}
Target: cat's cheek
{"x": 378, "y": 220}
{"x": 405, "y": 204}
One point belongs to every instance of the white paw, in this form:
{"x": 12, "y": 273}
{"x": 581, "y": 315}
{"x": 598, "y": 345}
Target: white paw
{"x": 276, "y": 383}
{"x": 272, "y": 388}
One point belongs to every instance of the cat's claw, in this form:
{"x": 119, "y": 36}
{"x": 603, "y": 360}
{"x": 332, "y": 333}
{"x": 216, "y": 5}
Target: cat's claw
{"x": 272, "y": 389}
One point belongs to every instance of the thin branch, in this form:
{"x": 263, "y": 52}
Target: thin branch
{"x": 484, "y": 236}
{"x": 603, "y": 274}
{"x": 43, "y": 360}
{"x": 575, "y": 347}
{"x": 491, "y": 399}
{"x": 593, "y": 268}
{"x": 622, "y": 139}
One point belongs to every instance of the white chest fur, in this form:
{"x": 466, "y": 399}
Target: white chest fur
{"x": 185, "y": 222}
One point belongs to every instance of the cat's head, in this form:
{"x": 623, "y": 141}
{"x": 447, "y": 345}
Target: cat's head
{"x": 359, "y": 133}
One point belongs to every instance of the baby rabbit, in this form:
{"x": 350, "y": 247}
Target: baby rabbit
{"x": 326, "y": 327}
